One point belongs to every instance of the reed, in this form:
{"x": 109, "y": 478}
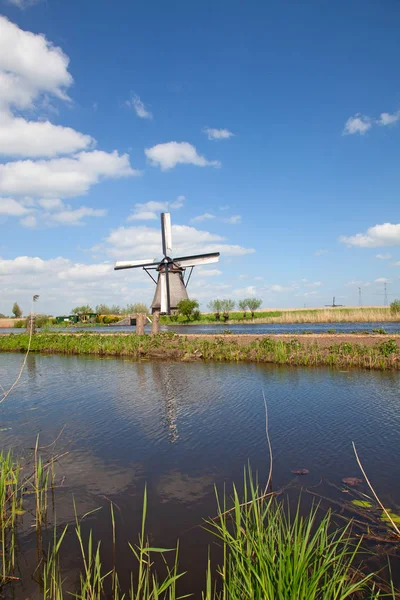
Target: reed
{"x": 10, "y": 509}
{"x": 271, "y": 555}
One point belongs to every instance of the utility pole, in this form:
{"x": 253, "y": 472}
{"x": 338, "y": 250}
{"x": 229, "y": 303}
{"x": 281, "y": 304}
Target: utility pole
{"x": 385, "y": 301}
{"x": 359, "y": 297}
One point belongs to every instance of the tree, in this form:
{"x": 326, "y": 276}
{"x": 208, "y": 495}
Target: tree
{"x": 187, "y": 307}
{"x": 215, "y": 307}
{"x": 137, "y": 308}
{"x": 115, "y": 309}
{"x": 103, "y": 309}
{"x": 227, "y": 306}
{"x": 79, "y": 310}
{"x": 253, "y": 304}
{"x": 395, "y": 307}
{"x": 16, "y": 310}
{"x": 243, "y": 306}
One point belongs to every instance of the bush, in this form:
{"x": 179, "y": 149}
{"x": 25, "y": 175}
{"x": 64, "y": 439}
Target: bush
{"x": 186, "y": 308}
{"x": 389, "y": 347}
{"x": 253, "y": 304}
{"x": 108, "y": 319}
{"x": 395, "y": 307}
{"x": 20, "y": 324}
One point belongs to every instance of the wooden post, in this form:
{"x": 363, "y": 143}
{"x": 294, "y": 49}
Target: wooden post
{"x": 155, "y": 325}
{"x": 140, "y": 323}
{"x": 31, "y": 324}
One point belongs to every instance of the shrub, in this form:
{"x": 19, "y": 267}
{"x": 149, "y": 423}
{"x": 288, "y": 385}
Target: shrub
{"x": 389, "y": 347}
{"x": 186, "y": 308}
{"x": 243, "y": 306}
{"x": 395, "y": 307}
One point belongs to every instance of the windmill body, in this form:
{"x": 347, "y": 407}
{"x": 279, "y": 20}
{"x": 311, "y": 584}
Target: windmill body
{"x": 170, "y": 283}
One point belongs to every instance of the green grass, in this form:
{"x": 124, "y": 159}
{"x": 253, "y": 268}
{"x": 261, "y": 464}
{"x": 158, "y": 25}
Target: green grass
{"x": 269, "y": 552}
{"x": 168, "y": 346}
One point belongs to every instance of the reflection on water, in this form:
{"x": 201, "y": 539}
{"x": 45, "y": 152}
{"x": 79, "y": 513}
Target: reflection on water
{"x": 180, "y": 427}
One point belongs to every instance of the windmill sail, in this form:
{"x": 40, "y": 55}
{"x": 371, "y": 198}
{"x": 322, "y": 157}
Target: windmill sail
{"x": 132, "y": 264}
{"x": 166, "y": 232}
{"x": 200, "y": 259}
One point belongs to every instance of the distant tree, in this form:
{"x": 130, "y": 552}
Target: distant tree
{"x": 133, "y": 309}
{"x": 243, "y": 306}
{"x": 2, "y": 316}
{"x": 395, "y": 307}
{"x": 16, "y": 310}
{"x": 253, "y": 304}
{"x": 227, "y": 306}
{"x": 215, "y": 307}
{"x": 115, "y": 309}
{"x": 187, "y": 307}
{"x": 103, "y": 309}
{"x": 79, "y": 310}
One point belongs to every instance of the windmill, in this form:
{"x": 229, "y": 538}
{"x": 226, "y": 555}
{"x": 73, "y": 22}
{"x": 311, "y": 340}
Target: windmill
{"x": 333, "y": 305}
{"x": 170, "y": 284}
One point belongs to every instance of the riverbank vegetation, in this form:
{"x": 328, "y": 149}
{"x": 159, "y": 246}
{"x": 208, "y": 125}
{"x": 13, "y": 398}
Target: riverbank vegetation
{"x": 371, "y": 352}
{"x": 269, "y": 551}
{"x": 318, "y": 315}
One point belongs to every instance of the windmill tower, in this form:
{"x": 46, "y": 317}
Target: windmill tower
{"x": 170, "y": 284}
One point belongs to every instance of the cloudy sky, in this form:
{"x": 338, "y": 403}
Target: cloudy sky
{"x": 269, "y": 130}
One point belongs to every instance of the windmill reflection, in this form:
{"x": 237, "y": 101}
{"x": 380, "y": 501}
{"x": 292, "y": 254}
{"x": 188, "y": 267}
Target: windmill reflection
{"x": 166, "y": 378}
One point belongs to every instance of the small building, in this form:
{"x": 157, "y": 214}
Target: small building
{"x": 67, "y": 319}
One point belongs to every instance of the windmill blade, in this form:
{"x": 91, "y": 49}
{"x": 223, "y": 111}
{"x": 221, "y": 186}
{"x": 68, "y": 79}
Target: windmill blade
{"x": 163, "y": 294}
{"x": 166, "y": 233}
{"x": 133, "y": 264}
{"x": 200, "y": 259}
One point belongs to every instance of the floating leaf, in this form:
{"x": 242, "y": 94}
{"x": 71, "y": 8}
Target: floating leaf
{"x": 300, "y": 471}
{"x": 394, "y": 516}
{"x": 352, "y": 480}
{"x": 362, "y": 503}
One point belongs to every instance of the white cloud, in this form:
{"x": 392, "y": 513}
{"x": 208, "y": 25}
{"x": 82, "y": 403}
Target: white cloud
{"x": 386, "y": 234}
{"x": 19, "y": 137}
{"x": 384, "y": 256}
{"x": 29, "y": 66}
{"x": 382, "y": 280}
{"x": 22, "y": 4}
{"x": 396, "y": 264}
{"x": 149, "y": 211}
{"x": 258, "y": 278}
{"x": 139, "y": 107}
{"x": 320, "y": 252}
{"x": 358, "y": 283}
{"x": 357, "y": 124}
{"x": 388, "y": 119}
{"x": 233, "y": 220}
{"x": 314, "y": 284}
{"x": 179, "y": 202}
{"x": 246, "y": 291}
{"x": 51, "y": 203}
{"x": 142, "y": 242}
{"x": 168, "y": 155}
{"x": 204, "y": 272}
{"x": 12, "y": 208}
{"x": 218, "y": 134}
{"x": 203, "y": 217}
{"x": 74, "y": 217}
{"x": 29, "y": 221}
{"x": 276, "y": 287}
{"x": 63, "y": 177}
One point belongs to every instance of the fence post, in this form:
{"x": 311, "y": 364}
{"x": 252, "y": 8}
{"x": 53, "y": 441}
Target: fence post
{"x": 155, "y": 325}
{"x": 140, "y": 324}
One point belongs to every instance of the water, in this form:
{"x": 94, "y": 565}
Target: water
{"x": 181, "y": 427}
{"x": 250, "y": 328}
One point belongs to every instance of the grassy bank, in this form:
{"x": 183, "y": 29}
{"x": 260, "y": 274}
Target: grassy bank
{"x": 379, "y": 353}
{"x": 319, "y": 315}
{"x": 269, "y": 553}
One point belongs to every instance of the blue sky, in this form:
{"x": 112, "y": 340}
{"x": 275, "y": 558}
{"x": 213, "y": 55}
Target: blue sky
{"x": 271, "y": 131}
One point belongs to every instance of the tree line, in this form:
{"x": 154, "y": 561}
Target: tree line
{"x": 114, "y": 309}
{"x": 224, "y": 307}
